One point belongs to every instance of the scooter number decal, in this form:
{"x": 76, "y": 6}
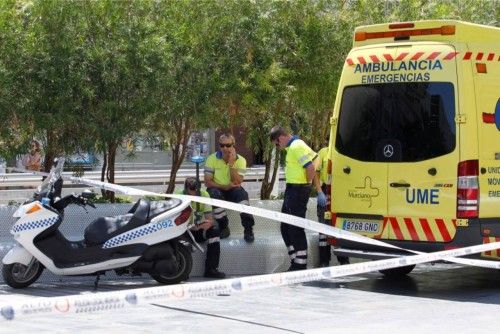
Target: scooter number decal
{"x": 164, "y": 224}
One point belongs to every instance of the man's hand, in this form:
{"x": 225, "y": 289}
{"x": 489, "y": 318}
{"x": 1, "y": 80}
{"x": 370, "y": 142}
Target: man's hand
{"x": 231, "y": 156}
{"x": 206, "y": 224}
{"x": 321, "y": 199}
{"x": 230, "y": 186}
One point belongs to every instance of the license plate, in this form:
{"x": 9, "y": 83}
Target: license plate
{"x": 361, "y": 226}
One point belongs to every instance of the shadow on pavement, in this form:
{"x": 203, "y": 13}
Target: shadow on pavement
{"x": 466, "y": 284}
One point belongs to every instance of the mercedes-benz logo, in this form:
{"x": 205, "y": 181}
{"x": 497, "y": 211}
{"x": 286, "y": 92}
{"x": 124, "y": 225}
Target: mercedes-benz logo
{"x": 388, "y": 151}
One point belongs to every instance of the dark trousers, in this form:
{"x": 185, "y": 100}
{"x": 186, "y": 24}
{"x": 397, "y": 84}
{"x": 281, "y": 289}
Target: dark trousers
{"x": 323, "y": 246}
{"x": 235, "y": 195}
{"x": 295, "y": 203}
{"x": 212, "y": 235}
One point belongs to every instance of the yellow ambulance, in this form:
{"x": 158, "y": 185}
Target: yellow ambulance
{"x": 415, "y": 139}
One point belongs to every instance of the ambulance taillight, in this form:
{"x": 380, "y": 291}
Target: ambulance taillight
{"x": 468, "y": 189}
{"x": 329, "y": 215}
{"x": 329, "y": 170}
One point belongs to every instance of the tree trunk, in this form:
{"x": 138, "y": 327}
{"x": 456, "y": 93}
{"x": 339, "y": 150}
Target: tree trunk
{"x": 110, "y": 172}
{"x": 267, "y": 185}
{"x": 48, "y": 161}
{"x": 103, "y": 170}
{"x": 49, "y": 152}
{"x": 178, "y": 148}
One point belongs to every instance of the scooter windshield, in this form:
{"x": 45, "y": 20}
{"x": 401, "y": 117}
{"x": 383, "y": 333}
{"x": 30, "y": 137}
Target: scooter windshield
{"x": 54, "y": 175}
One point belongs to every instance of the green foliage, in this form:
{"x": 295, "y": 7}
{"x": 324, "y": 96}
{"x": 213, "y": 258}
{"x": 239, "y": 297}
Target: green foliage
{"x": 280, "y": 196}
{"x": 117, "y": 200}
{"x": 154, "y": 198}
{"x": 87, "y": 75}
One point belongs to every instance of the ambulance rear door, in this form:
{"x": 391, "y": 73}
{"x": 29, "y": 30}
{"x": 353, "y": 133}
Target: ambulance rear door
{"x": 395, "y": 151}
{"x": 420, "y": 144}
{"x": 359, "y": 181}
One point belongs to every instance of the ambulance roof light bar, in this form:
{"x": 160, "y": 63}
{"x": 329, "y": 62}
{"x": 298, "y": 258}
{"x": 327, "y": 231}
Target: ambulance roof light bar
{"x": 443, "y": 30}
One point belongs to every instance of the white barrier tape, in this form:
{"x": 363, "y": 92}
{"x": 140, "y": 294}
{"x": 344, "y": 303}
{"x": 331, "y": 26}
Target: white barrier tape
{"x": 130, "y": 298}
{"x": 278, "y": 216}
{"x": 273, "y": 215}
{"x": 470, "y": 262}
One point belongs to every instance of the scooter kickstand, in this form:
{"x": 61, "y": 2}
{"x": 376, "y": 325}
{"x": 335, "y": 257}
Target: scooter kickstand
{"x": 96, "y": 282}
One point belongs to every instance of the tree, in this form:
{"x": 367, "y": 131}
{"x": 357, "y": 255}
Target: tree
{"x": 185, "y": 78}
{"x": 12, "y": 134}
{"x": 118, "y": 36}
{"x": 46, "y": 67}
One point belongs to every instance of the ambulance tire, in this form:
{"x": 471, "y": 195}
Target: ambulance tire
{"x": 397, "y": 272}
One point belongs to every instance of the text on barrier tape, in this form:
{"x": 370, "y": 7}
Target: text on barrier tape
{"x": 129, "y": 298}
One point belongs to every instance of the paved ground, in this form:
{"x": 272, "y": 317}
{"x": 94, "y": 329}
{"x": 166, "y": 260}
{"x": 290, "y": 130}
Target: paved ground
{"x": 440, "y": 298}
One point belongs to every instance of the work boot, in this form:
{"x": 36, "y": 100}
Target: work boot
{"x": 224, "y": 233}
{"x": 343, "y": 260}
{"x": 214, "y": 273}
{"x": 295, "y": 267}
{"x": 248, "y": 235}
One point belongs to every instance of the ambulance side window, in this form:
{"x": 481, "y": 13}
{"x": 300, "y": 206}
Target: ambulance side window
{"x": 417, "y": 119}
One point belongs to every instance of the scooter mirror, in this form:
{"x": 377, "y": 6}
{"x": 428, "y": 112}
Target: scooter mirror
{"x": 89, "y": 194}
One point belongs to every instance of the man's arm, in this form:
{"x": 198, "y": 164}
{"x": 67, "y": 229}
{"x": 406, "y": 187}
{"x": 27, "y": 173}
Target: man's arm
{"x": 209, "y": 217}
{"x": 208, "y": 221}
{"x": 210, "y": 183}
{"x": 234, "y": 164}
{"x": 310, "y": 172}
{"x": 316, "y": 182}
{"x": 236, "y": 178}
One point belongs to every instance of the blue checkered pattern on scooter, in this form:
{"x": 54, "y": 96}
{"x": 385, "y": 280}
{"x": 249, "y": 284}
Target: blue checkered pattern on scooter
{"x": 123, "y": 238}
{"x": 35, "y": 224}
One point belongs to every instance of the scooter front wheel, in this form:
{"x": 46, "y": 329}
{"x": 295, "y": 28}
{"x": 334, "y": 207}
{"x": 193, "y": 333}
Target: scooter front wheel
{"x": 19, "y": 276}
{"x": 184, "y": 266}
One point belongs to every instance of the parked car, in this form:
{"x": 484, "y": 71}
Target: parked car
{"x": 85, "y": 160}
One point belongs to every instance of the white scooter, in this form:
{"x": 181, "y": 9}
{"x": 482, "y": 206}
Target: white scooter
{"x": 151, "y": 238}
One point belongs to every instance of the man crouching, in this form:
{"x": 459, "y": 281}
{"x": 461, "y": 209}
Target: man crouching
{"x": 204, "y": 228}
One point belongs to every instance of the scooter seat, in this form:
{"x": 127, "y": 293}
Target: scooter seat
{"x": 102, "y": 228}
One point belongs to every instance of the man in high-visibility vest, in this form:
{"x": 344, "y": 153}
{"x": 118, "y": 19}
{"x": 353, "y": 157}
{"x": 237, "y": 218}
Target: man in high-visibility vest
{"x": 224, "y": 173}
{"x": 203, "y": 228}
{"x": 299, "y": 173}
{"x": 320, "y": 181}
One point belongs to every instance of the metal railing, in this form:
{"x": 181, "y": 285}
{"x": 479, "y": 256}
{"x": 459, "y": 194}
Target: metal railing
{"x": 124, "y": 177}
{"x": 15, "y": 187}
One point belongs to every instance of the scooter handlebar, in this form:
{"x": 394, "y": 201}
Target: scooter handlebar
{"x": 73, "y": 199}
{"x": 82, "y": 201}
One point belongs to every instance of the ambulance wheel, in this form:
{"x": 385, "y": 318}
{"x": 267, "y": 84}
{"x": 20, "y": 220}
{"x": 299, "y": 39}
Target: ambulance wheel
{"x": 18, "y": 275}
{"x": 397, "y": 272}
{"x": 184, "y": 266}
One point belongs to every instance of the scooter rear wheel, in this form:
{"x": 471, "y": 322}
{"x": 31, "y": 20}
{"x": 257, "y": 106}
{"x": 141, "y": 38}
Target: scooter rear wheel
{"x": 19, "y": 276}
{"x": 184, "y": 266}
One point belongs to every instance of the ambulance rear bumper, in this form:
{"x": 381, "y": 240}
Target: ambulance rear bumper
{"x": 371, "y": 255}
